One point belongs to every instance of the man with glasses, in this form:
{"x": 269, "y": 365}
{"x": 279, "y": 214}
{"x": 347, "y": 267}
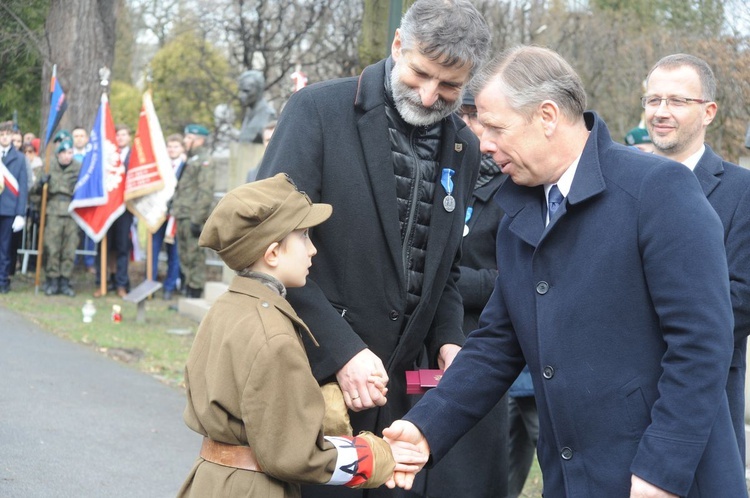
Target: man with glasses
{"x": 680, "y": 105}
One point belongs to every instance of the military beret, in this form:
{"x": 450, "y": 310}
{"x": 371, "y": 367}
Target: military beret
{"x": 637, "y": 136}
{"x": 253, "y": 216}
{"x": 62, "y": 135}
{"x": 65, "y": 144}
{"x": 196, "y": 129}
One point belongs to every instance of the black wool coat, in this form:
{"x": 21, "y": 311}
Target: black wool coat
{"x": 332, "y": 139}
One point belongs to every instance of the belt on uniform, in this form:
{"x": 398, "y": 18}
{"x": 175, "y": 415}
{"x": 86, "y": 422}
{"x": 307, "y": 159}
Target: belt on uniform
{"x": 229, "y": 455}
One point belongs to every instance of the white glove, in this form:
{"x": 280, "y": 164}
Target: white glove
{"x": 18, "y": 223}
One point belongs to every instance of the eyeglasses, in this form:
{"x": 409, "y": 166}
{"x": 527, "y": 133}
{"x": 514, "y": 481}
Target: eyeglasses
{"x": 672, "y": 102}
{"x": 466, "y": 114}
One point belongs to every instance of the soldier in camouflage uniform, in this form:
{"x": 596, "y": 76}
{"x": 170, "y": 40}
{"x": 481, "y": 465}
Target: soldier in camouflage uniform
{"x": 191, "y": 206}
{"x": 61, "y": 231}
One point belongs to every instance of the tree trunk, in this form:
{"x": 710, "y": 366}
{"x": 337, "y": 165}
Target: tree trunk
{"x": 80, "y": 36}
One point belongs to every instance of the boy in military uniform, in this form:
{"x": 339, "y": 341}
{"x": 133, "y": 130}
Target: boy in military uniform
{"x": 191, "y": 206}
{"x": 61, "y": 233}
{"x": 250, "y": 390}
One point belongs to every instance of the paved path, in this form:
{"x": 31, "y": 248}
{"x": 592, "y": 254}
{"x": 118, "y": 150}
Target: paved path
{"x": 76, "y": 424}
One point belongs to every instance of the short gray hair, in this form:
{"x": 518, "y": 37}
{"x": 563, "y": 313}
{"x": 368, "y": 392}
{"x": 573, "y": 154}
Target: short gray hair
{"x": 450, "y": 32}
{"x": 706, "y": 75}
{"x": 530, "y": 75}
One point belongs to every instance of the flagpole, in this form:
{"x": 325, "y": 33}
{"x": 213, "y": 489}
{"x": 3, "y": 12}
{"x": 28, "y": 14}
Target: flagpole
{"x": 43, "y": 211}
{"x": 103, "y": 272}
{"x": 150, "y": 236}
{"x": 42, "y": 223}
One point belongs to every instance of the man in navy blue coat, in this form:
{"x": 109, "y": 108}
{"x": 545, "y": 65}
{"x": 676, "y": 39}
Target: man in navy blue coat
{"x": 13, "y": 198}
{"x": 680, "y": 105}
{"x": 618, "y": 300}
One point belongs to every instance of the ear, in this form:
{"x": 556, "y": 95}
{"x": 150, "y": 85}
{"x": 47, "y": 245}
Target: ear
{"x": 549, "y": 115}
{"x": 396, "y": 45}
{"x": 271, "y": 256}
{"x": 710, "y": 114}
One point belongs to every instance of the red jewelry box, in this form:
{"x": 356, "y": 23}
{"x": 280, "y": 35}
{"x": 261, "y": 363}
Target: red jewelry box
{"x": 419, "y": 381}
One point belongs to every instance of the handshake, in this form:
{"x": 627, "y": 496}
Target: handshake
{"x": 410, "y": 452}
{"x": 396, "y": 458}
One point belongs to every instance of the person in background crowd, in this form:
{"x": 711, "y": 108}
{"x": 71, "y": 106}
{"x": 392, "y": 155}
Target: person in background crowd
{"x": 17, "y": 237}
{"x": 16, "y": 138}
{"x": 679, "y": 103}
{"x": 191, "y": 206}
{"x": 119, "y": 243}
{"x": 399, "y": 167}
{"x": 60, "y": 229}
{"x": 612, "y": 287}
{"x": 80, "y": 141}
{"x": 176, "y": 152}
{"x": 80, "y": 147}
{"x": 639, "y": 138}
{"x": 13, "y": 199}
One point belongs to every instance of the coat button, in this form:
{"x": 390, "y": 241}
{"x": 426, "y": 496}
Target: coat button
{"x": 542, "y": 287}
{"x": 548, "y": 372}
{"x": 393, "y": 315}
{"x": 264, "y": 304}
{"x": 566, "y": 453}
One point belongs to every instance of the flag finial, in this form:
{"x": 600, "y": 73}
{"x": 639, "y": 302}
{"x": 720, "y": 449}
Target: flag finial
{"x": 104, "y": 76}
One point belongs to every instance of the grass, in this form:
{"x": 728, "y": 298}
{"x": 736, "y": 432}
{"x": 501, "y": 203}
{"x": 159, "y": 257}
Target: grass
{"x": 148, "y": 346}
{"x": 533, "y": 486}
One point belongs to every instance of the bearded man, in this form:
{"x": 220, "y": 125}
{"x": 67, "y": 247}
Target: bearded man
{"x": 398, "y": 166}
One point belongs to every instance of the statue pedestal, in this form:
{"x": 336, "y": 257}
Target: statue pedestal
{"x": 243, "y": 157}
{"x": 232, "y": 166}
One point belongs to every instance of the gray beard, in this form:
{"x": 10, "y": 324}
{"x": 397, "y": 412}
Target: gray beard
{"x": 409, "y": 104}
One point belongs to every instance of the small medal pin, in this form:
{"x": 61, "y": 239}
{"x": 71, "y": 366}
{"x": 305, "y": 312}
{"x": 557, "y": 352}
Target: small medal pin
{"x": 449, "y": 202}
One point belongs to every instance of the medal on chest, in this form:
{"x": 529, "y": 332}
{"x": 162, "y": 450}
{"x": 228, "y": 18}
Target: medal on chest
{"x": 446, "y": 180}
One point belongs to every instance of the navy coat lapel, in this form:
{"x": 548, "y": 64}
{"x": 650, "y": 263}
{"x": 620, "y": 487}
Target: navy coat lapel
{"x": 526, "y": 206}
{"x": 709, "y": 170}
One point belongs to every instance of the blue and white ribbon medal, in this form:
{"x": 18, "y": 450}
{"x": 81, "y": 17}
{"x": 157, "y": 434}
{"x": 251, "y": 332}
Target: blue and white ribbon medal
{"x": 469, "y": 212}
{"x": 449, "y": 202}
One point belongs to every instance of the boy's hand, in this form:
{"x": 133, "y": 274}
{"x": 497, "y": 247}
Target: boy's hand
{"x": 404, "y": 438}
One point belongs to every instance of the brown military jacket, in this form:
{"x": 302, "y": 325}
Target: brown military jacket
{"x": 249, "y": 383}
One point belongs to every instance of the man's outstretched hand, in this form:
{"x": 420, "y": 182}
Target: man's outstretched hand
{"x": 400, "y": 432}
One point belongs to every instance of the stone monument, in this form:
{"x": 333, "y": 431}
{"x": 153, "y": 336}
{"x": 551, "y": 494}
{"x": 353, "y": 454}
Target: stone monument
{"x": 257, "y": 112}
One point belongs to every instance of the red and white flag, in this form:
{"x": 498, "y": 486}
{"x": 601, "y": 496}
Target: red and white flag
{"x": 150, "y": 181}
{"x": 98, "y": 199}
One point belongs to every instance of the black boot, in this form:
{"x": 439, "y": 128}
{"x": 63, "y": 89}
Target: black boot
{"x": 195, "y": 293}
{"x": 65, "y": 288}
{"x": 53, "y": 286}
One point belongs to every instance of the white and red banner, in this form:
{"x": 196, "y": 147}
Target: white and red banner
{"x": 150, "y": 181}
{"x": 98, "y": 199}
{"x": 8, "y": 180}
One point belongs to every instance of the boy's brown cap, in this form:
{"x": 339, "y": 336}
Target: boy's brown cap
{"x": 253, "y": 216}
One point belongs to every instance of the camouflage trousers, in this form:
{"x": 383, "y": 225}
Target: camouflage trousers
{"x": 192, "y": 256}
{"x": 60, "y": 244}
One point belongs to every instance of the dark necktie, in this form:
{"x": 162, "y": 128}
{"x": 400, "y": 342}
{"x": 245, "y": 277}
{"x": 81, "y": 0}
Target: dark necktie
{"x": 555, "y": 199}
